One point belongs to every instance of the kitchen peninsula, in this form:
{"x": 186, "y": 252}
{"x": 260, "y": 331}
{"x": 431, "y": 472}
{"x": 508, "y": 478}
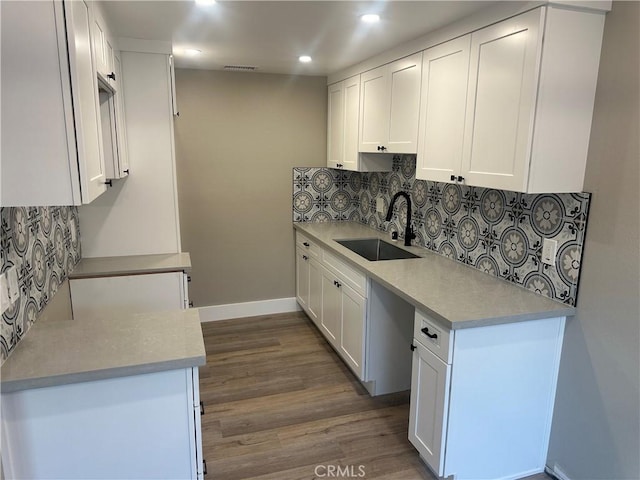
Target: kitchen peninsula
{"x": 114, "y": 392}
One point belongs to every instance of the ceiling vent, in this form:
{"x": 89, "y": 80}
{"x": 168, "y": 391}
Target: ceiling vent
{"x": 240, "y": 68}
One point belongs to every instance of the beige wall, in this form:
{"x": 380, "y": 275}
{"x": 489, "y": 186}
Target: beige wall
{"x": 596, "y": 425}
{"x": 238, "y": 137}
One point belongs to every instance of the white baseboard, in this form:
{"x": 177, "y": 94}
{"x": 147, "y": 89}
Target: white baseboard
{"x": 556, "y": 472}
{"x": 248, "y": 309}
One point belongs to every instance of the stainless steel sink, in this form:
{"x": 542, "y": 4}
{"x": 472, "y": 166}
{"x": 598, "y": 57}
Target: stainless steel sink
{"x": 375, "y": 249}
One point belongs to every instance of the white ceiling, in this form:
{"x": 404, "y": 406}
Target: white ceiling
{"x": 271, "y": 35}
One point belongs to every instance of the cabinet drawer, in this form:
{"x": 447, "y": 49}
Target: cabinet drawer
{"x": 433, "y": 336}
{"x": 307, "y": 245}
{"x": 352, "y": 277}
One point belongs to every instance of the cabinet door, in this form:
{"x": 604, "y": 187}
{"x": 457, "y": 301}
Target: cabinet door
{"x": 404, "y": 97}
{"x": 353, "y": 329}
{"x": 331, "y": 318}
{"x": 85, "y": 101}
{"x": 503, "y": 81}
{"x": 129, "y": 294}
{"x": 430, "y": 379}
{"x": 109, "y": 134}
{"x": 302, "y": 278}
{"x": 195, "y": 424}
{"x": 445, "y": 71}
{"x": 335, "y": 125}
{"x": 102, "y": 50}
{"x": 351, "y": 123}
{"x": 39, "y": 164}
{"x": 121, "y": 129}
{"x": 374, "y": 109}
{"x": 315, "y": 291}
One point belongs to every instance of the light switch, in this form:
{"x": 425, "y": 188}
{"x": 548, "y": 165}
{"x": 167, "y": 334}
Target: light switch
{"x": 380, "y": 205}
{"x": 549, "y": 249}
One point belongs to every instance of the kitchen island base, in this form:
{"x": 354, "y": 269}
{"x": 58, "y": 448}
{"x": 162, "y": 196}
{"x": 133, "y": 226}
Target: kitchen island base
{"x": 140, "y": 426}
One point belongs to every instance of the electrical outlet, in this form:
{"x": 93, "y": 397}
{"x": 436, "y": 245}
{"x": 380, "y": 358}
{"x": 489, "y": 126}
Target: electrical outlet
{"x": 549, "y": 249}
{"x": 380, "y": 205}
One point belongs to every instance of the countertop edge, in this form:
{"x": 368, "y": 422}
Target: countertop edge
{"x": 139, "y": 265}
{"x": 477, "y": 322}
{"x": 13, "y": 386}
{"x": 457, "y": 325}
{"x": 127, "y": 273}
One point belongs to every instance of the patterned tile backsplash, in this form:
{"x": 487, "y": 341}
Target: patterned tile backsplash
{"x": 38, "y": 241}
{"x": 496, "y": 231}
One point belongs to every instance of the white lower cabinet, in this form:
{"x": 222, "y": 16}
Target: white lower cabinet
{"x": 141, "y": 426}
{"x": 430, "y": 379}
{"x": 302, "y": 278}
{"x": 352, "y": 338}
{"x": 482, "y": 398}
{"x": 129, "y": 293}
{"x": 343, "y": 320}
{"x": 331, "y": 308}
{"x": 308, "y": 283}
{"x": 368, "y": 326}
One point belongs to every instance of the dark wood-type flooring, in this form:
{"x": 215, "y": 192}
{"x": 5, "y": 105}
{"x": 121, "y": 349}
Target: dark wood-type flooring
{"x": 281, "y": 405}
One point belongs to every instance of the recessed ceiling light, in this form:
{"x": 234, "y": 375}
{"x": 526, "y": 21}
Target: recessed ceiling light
{"x": 205, "y": 3}
{"x": 304, "y": 58}
{"x": 192, "y": 52}
{"x": 370, "y": 18}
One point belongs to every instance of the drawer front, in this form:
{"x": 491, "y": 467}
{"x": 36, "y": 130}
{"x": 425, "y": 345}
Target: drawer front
{"x": 433, "y": 336}
{"x": 307, "y": 245}
{"x": 352, "y": 277}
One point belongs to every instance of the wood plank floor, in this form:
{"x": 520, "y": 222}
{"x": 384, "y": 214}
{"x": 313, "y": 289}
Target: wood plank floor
{"x": 281, "y": 405}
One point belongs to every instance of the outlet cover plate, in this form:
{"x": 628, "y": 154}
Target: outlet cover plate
{"x": 549, "y": 250}
{"x": 12, "y": 280}
{"x": 380, "y": 205}
{"x": 72, "y": 226}
{"x": 4, "y": 293}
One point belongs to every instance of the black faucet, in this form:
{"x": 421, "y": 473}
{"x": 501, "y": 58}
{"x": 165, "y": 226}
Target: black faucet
{"x": 408, "y": 233}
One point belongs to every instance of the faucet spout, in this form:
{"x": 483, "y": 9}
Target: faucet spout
{"x": 408, "y": 233}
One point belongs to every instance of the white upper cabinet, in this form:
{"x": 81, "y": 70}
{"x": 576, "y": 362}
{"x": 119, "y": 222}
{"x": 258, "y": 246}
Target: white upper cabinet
{"x": 530, "y": 103}
{"x": 121, "y": 130}
{"x": 445, "y": 71}
{"x": 335, "y": 126}
{"x": 342, "y": 131}
{"x": 507, "y": 106}
{"x": 389, "y": 106}
{"x": 103, "y": 51}
{"x": 85, "y": 100}
{"x": 505, "y": 61}
{"x": 51, "y": 134}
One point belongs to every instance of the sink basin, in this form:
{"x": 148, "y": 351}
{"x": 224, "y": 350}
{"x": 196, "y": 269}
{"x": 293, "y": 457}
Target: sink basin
{"x": 375, "y": 249}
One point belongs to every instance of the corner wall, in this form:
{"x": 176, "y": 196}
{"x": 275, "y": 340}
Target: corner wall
{"x": 596, "y": 425}
{"x": 237, "y": 138}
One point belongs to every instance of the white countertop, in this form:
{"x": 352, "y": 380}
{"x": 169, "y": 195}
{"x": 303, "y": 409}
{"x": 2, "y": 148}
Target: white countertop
{"x": 456, "y": 295}
{"x": 131, "y": 265}
{"x": 72, "y": 351}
